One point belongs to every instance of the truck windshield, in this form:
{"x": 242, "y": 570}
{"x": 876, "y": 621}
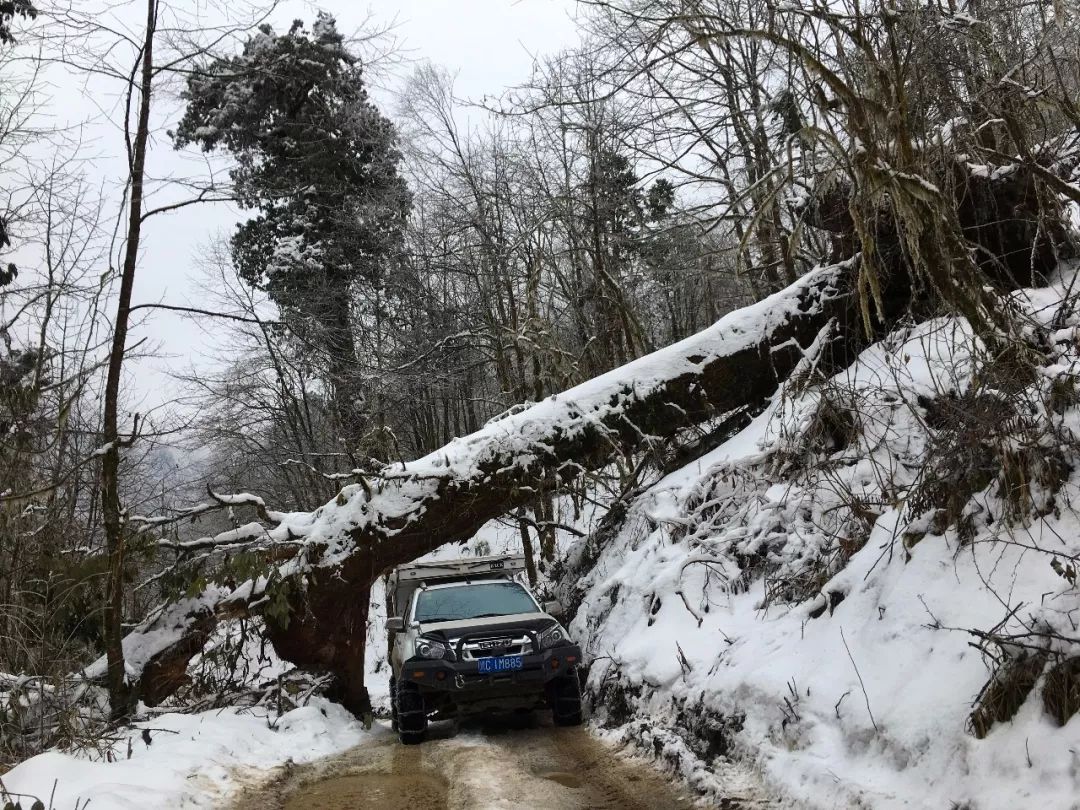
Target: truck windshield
{"x": 473, "y": 602}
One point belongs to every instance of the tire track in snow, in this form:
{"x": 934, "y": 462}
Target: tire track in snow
{"x": 494, "y": 765}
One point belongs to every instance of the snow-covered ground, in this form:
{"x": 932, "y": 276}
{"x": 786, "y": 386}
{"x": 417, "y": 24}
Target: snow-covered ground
{"x": 857, "y": 691}
{"x": 184, "y": 760}
{"x": 199, "y": 760}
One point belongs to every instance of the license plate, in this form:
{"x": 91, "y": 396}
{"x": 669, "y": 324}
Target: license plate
{"x": 500, "y": 663}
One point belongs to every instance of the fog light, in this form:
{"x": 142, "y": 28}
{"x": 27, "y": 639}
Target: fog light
{"x": 440, "y": 675}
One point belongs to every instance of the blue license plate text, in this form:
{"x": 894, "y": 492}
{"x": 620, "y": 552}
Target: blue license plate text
{"x": 501, "y": 663}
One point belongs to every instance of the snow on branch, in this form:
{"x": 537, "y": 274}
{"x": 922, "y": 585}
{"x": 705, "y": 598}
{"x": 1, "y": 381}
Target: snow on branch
{"x": 402, "y": 512}
{"x": 217, "y": 502}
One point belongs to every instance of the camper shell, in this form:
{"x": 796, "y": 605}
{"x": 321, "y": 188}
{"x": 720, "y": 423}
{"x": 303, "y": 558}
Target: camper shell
{"x": 405, "y": 579}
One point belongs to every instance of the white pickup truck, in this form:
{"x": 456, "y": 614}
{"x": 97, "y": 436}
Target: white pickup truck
{"x": 467, "y": 636}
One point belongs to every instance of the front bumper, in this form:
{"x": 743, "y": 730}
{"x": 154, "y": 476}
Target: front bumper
{"x": 461, "y": 676}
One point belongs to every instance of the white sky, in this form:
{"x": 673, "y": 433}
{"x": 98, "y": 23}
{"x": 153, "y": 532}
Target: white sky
{"x": 489, "y": 43}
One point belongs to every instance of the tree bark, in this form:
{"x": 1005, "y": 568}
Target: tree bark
{"x": 349, "y": 394}
{"x": 120, "y": 693}
{"x": 527, "y": 548}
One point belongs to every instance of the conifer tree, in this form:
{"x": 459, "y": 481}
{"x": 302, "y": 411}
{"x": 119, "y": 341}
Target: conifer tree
{"x": 319, "y": 162}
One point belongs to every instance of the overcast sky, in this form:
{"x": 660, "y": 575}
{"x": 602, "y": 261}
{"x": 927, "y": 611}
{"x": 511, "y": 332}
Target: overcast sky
{"x": 490, "y": 44}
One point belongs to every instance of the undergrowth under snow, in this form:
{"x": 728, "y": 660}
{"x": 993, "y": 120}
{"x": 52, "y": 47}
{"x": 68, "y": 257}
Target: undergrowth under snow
{"x": 802, "y": 600}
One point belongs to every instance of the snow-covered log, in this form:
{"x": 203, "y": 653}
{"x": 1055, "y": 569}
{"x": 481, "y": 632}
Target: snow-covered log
{"x": 448, "y": 495}
{"x": 157, "y": 652}
{"x": 338, "y": 550}
{"x": 333, "y": 554}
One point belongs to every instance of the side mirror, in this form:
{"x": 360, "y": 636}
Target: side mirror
{"x": 395, "y": 624}
{"x": 554, "y": 608}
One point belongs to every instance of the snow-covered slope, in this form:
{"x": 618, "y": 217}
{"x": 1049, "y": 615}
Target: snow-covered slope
{"x": 826, "y": 594}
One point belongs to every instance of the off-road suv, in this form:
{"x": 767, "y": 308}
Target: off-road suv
{"x": 466, "y": 636}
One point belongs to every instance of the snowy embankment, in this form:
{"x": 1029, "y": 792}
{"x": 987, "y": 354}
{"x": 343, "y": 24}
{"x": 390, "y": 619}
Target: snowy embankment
{"x": 265, "y": 714}
{"x": 183, "y": 760}
{"x": 825, "y": 595}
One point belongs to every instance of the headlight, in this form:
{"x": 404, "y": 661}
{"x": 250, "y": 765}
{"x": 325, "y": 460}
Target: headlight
{"x": 554, "y": 636}
{"x": 429, "y": 648}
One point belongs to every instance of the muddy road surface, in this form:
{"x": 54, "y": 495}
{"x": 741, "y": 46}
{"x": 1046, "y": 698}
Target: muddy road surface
{"x": 493, "y": 764}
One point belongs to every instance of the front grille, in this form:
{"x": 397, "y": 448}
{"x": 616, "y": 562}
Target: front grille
{"x": 477, "y": 648}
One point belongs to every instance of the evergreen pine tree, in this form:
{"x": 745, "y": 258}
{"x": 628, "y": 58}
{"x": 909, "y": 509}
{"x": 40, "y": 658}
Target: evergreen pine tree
{"x": 319, "y": 162}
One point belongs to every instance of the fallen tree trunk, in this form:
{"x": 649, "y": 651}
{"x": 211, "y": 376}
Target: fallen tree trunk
{"x": 337, "y": 551}
{"x": 448, "y": 496}
{"x": 732, "y": 368}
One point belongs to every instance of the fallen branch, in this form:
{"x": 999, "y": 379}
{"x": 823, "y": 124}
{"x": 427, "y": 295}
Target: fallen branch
{"x": 862, "y": 685}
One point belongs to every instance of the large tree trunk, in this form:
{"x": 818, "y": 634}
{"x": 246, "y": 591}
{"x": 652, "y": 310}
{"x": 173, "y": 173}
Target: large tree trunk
{"x": 349, "y": 397}
{"x": 734, "y": 366}
{"x": 715, "y": 378}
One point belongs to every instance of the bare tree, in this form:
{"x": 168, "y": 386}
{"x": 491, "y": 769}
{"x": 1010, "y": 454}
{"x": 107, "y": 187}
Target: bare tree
{"x": 74, "y": 40}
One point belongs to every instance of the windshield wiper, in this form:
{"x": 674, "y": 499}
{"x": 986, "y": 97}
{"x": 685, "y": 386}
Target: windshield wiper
{"x": 488, "y": 615}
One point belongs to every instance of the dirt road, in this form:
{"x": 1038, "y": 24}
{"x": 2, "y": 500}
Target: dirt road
{"x": 494, "y": 764}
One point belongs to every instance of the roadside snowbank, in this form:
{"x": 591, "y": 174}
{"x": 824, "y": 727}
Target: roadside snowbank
{"x": 782, "y": 601}
{"x": 185, "y": 760}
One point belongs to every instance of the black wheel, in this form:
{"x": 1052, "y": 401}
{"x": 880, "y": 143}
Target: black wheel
{"x": 393, "y": 703}
{"x": 411, "y": 714}
{"x": 564, "y": 696}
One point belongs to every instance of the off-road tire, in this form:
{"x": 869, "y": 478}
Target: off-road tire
{"x": 393, "y": 703}
{"x": 564, "y": 697}
{"x": 411, "y": 714}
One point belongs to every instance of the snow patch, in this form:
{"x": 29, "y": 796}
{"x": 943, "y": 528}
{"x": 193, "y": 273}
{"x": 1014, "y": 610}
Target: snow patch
{"x": 186, "y": 760}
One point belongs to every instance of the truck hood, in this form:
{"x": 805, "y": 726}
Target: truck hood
{"x": 453, "y": 629}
